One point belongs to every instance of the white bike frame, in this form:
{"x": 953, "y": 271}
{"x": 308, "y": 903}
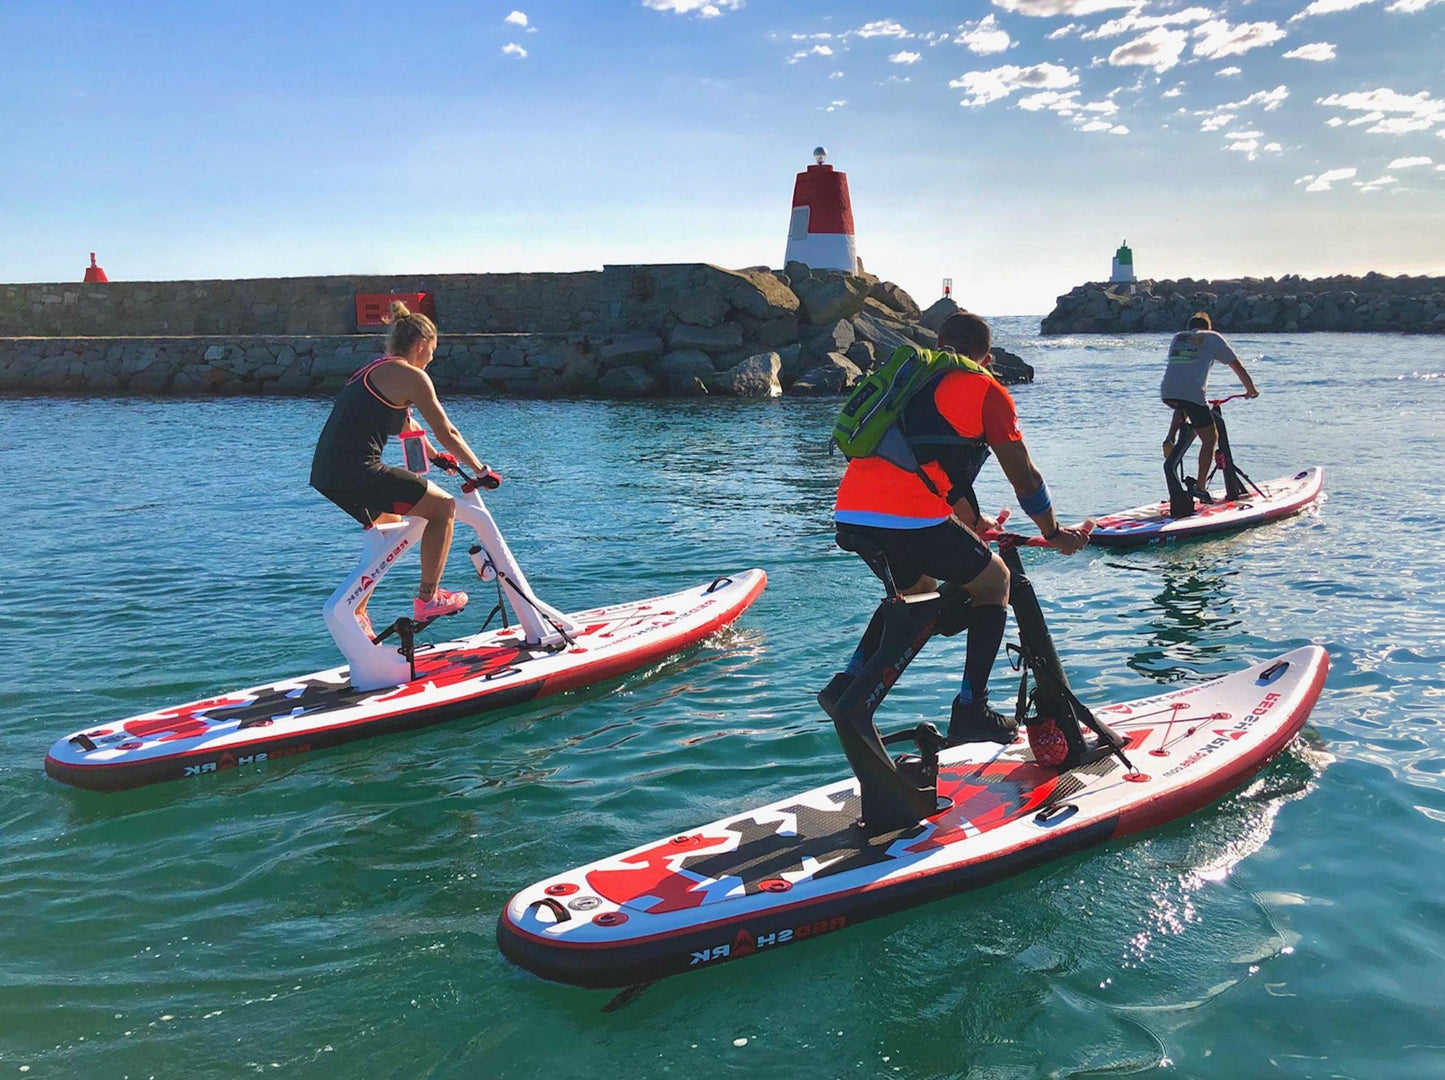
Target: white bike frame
{"x": 377, "y": 666}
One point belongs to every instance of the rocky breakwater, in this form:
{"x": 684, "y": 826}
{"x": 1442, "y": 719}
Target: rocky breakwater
{"x": 703, "y": 330}
{"x": 1289, "y": 304}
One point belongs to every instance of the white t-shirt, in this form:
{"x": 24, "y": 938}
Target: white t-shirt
{"x": 1186, "y": 372}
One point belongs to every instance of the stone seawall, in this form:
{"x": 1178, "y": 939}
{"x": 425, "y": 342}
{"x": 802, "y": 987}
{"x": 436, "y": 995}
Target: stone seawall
{"x": 1290, "y": 304}
{"x": 541, "y": 365}
{"x": 465, "y": 304}
{"x": 675, "y": 330}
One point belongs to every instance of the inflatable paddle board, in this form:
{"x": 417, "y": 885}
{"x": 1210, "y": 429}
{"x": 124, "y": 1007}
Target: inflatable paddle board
{"x": 1152, "y": 524}
{"x": 800, "y": 868}
{"x": 490, "y": 670}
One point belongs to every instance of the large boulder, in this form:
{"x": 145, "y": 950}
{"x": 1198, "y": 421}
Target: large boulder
{"x": 759, "y": 293}
{"x": 834, "y": 375}
{"x": 710, "y": 339}
{"x": 1009, "y": 368}
{"x": 885, "y": 338}
{"x": 701, "y": 307}
{"x": 938, "y": 311}
{"x": 755, "y": 377}
{"x": 828, "y": 300}
{"x": 861, "y": 353}
{"x": 638, "y": 349}
{"x": 896, "y": 299}
{"x": 686, "y": 364}
{"x": 836, "y": 337}
{"x": 774, "y": 332}
{"x": 628, "y": 381}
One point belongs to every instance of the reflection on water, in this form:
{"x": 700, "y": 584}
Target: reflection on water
{"x": 1188, "y": 624}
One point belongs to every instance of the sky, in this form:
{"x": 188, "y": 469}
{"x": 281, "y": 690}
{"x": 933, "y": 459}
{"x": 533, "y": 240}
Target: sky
{"x": 1010, "y": 145}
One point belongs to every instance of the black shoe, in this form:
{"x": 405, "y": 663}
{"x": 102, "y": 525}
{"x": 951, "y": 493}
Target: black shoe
{"x": 976, "y": 722}
{"x": 833, "y": 693}
{"x": 1197, "y": 492}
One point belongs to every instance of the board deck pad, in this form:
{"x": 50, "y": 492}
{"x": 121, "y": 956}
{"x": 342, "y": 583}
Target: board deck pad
{"x": 801, "y": 867}
{"x": 1152, "y": 523}
{"x": 474, "y": 674}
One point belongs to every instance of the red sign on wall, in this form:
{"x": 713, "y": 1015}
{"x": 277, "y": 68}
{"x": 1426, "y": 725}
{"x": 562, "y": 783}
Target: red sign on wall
{"x": 372, "y": 309}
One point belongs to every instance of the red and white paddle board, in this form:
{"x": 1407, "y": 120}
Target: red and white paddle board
{"x": 800, "y": 868}
{"x": 459, "y": 678}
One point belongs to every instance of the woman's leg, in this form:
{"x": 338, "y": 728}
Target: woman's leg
{"x": 440, "y": 511}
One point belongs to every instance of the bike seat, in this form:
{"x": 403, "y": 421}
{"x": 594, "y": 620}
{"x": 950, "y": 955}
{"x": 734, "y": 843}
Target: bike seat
{"x": 870, "y": 553}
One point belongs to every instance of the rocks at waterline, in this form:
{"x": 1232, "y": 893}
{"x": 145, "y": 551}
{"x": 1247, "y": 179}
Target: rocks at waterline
{"x": 1290, "y": 304}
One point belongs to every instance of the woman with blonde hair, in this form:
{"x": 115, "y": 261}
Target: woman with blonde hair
{"x": 347, "y": 467}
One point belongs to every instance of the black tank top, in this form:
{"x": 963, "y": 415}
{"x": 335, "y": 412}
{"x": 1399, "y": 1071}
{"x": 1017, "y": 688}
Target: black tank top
{"x": 360, "y": 423}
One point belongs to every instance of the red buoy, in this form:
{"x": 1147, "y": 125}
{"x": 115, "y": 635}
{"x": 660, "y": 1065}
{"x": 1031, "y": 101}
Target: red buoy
{"x": 93, "y": 272}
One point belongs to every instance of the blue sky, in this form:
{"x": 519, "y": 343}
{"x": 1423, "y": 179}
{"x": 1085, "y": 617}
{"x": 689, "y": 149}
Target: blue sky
{"x": 1010, "y": 145}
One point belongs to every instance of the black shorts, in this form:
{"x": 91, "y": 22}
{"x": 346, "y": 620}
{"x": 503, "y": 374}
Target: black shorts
{"x": 1199, "y": 416}
{"x": 946, "y": 551}
{"x": 382, "y": 489}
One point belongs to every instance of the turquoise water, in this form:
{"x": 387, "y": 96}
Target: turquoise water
{"x": 333, "y": 914}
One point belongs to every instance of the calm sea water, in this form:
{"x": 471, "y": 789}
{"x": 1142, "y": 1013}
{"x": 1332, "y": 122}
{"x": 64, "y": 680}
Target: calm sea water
{"x": 333, "y": 915}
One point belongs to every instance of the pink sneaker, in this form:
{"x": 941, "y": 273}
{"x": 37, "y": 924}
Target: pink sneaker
{"x": 364, "y": 621}
{"x": 443, "y": 603}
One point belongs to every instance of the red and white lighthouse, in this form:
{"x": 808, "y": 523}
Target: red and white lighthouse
{"x": 820, "y": 233}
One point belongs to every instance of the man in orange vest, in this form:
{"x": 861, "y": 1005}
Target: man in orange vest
{"x": 927, "y": 523}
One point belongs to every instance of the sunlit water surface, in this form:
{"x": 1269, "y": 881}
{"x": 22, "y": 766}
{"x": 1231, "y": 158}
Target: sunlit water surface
{"x": 333, "y": 914}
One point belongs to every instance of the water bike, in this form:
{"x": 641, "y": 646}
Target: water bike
{"x": 927, "y": 823}
{"x": 392, "y": 682}
{"x": 1191, "y": 512}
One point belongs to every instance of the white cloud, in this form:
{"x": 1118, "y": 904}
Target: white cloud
{"x": 1217, "y": 39}
{"x": 984, "y": 87}
{"x": 905, "y": 58}
{"x": 1063, "y": 31}
{"x": 816, "y": 50}
{"x": 516, "y": 18}
{"x": 1173, "y": 91}
{"x": 835, "y": 75}
{"x": 1319, "y": 50}
{"x": 1333, "y": 121}
{"x": 983, "y": 36}
{"x": 882, "y": 28}
{"x": 1248, "y": 144}
{"x": 1409, "y": 7}
{"x": 1229, "y": 72}
{"x": 1328, "y": 7}
{"x": 1323, "y": 181}
{"x": 1214, "y": 123}
{"x": 703, "y": 9}
{"x": 1270, "y": 99}
{"x": 1409, "y": 162}
{"x": 1045, "y": 9}
{"x": 513, "y": 49}
{"x": 1413, "y": 112}
{"x": 1375, "y": 184}
{"x": 834, "y": 105}
{"x": 1159, "y": 49}
{"x": 1133, "y": 22}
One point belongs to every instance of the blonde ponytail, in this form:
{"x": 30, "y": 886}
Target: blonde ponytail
{"x": 407, "y": 329}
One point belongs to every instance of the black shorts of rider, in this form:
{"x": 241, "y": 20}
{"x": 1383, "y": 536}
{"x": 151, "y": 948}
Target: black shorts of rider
{"x": 1198, "y": 415}
{"x": 946, "y": 551}
{"x": 382, "y": 489}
